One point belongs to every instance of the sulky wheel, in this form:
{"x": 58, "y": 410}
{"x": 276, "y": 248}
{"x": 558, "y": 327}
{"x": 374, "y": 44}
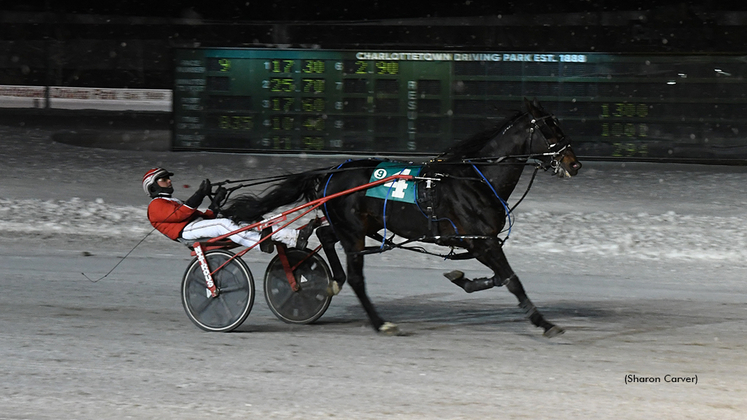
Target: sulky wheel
{"x": 235, "y": 298}
{"x": 313, "y": 276}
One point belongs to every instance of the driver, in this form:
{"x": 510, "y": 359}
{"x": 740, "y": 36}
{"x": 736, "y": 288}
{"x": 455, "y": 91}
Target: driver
{"x": 181, "y": 220}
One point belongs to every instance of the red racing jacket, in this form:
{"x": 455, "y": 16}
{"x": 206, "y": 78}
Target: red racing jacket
{"x": 170, "y": 215}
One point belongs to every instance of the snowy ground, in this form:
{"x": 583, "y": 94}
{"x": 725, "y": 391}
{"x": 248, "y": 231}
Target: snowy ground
{"x": 643, "y": 263}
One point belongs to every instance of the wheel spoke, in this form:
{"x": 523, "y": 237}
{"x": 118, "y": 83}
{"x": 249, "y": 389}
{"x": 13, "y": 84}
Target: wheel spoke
{"x": 200, "y": 309}
{"x": 235, "y": 288}
{"x": 226, "y": 307}
{"x": 281, "y": 304}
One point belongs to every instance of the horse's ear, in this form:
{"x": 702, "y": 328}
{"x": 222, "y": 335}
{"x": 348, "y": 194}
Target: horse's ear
{"x": 533, "y": 107}
{"x": 528, "y": 105}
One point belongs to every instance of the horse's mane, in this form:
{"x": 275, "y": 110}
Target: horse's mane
{"x": 469, "y": 147}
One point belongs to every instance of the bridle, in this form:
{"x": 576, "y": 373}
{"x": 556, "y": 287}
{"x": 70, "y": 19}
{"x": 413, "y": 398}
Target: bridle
{"x": 538, "y": 125}
{"x": 555, "y": 150}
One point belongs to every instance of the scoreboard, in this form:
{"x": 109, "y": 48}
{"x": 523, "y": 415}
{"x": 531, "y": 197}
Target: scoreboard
{"x": 421, "y": 102}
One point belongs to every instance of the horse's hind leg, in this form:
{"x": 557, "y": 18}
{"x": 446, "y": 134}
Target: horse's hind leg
{"x": 514, "y": 286}
{"x": 328, "y": 240}
{"x": 494, "y": 258}
{"x": 355, "y": 278}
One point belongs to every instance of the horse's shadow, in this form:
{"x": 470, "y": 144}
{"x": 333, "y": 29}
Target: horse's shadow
{"x": 584, "y": 321}
{"x": 437, "y": 311}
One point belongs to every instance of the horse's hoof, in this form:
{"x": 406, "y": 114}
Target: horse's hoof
{"x": 454, "y": 275}
{"x": 333, "y": 288}
{"x": 388, "y": 328}
{"x": 554, "y": 331}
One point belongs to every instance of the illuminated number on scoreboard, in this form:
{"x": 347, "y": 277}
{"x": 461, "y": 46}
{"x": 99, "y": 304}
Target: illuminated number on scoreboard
{"x": 314, "y": 124}
{"x": 280, "y": 123}
{"x": 235, "y": 122}
{"x": 313, "y": 85}
{"x": 279, "y": 66}
{"x": 279, "y": 142}
{"x": 387, "y": 67}
{"x": 312, "y": 104}
{"x": 279, "y": 85}
{"x": 279, "y": 104}
{"x": 361, "y": 67}
{"x": 313, "y": 66}
{"x": 629, "y": 149}
{"x": 225, "y": 64}
{"x": 573, "y": 58}
{"x": 624, "y": 110}
{"x": 624, "y": 130}
{"x": 313, "y": 143}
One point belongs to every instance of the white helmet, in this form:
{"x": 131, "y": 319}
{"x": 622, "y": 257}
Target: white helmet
{"x": 150, "y": 185}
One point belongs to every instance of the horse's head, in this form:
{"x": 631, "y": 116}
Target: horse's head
{"x": 549, "y": 142}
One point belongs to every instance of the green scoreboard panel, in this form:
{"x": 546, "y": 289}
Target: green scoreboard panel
{"x": 421, "y": 102}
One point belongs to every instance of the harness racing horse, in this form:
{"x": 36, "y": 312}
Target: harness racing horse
{"x": 459, "y": 201}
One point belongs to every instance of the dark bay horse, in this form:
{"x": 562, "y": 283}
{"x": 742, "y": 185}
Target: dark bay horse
{"x": 457, "y": 200}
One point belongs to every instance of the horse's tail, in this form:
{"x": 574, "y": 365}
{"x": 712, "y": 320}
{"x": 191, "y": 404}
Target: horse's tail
{"x": 251, "y": 208}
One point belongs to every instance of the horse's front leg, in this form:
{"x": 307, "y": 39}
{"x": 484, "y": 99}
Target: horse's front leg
{"x": 356, "y": 281}
{"x": 492, "y": 256}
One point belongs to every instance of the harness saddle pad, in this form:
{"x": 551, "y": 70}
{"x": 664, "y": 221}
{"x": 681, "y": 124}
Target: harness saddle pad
{"x": 398, "y": 190}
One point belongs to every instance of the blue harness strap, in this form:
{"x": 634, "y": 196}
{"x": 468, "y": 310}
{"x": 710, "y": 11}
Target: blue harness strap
{"x": 503, "y": 202}
{"x": 324, "y": 193}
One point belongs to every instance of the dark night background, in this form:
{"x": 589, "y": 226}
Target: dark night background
{"x": 301, "y": 10}
{"x": 129, "y": 43}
